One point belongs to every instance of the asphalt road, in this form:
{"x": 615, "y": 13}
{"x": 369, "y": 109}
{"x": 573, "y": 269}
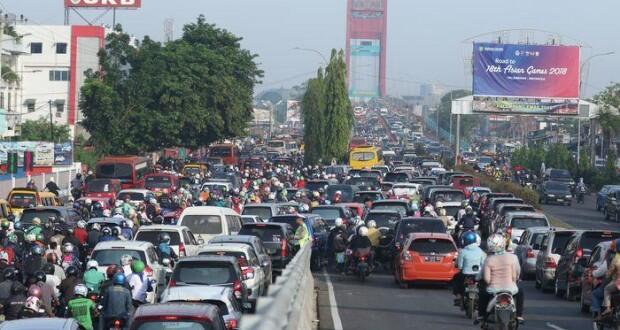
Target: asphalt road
{"x": 380, "y": 304}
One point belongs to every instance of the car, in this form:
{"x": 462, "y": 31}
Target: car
{"x": 356, "y": 209}
{"x": 597, "y": 260}
{"x": 484, "y": 161}
{"x": 331, "y": 212}
{"x": 602, "y": 195}
{"x": 179, "y": 314}
{"x": 503, "y": 209}
{"x": 70, "y": 215}
{"x": 528, "y": 247}
{"x": 315, "y": 185}
{"x": 251, "y": 219}
{"x": 397, "y": 177}
{"x": 207, "y": 222}
{"x": 406, "y": 190}
{"x": 257, "y": 246}
{"x": 347, "y": 192}
{"x": 136, "y": 196}
{"x": 45, "y": 323}
{"x": 182, "y": 241}
{"x": 318, "y": 233}
{"x": 373, "y": 195}
{"x": 384, "y": 218}
{"x": 251, "y": 269}
{"x": 555, "y": 192}
{"x": 517, "y": 222}
{"x": 611, "y": 211}
{"x": 402, "y": 206}
{"x": 416, "y": 225}
{"x": 217, "y": 186}
{"x": 560, "y": 175}
{"x": 426, "y": 257}
{"x": 277, "y": 238}
{"x": 110, "y": 253}
{"x": 551, "y": 249}
{"x": 570, "y": 267}
{"x": 263, "y": 210}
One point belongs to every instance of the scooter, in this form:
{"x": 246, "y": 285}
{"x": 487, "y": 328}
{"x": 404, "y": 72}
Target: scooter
{"x": 612, "y": 320}
{"x": 358, "y": 263}
{"x": 503, "y": 312}
{"x": 470, "y": 298}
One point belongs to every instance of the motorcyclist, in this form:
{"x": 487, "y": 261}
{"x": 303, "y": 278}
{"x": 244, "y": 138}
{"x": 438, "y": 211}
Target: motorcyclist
{"x": 15, "y": 303}
{"x": 32, "y": 309}
{"x": 76, "y": 186}
{"x": 94, "y": 235}
{"x": 117, "y": 301}
{"x": 126, "y": 230}
{"x": 461, "y": 213}
{"x": 35, "y": 229}
{"x": 469, "y": 262}
{"x": 10, "y": 278}
{"x": 39, "y": 287}
{"x": 67, "y": 285}
{"x": 373, "y": 233}
{"x": 581, "y": 190}
{"x": 361, "y": 242}
{"x": 613, "y": 274}
{"x": 106, "y": 235}
{"x": 338, "y": 240}
{"x": 81, "y": 308}
{"x": 163, "y": 248}
{"x": 500, "y": 273}
{"x": 93, "y": 277}
{"x": 443, "y": 215}
{"x": 139, "y": 283}
{"x": 69, "y": 257}
{"x": 80, "y": 232}
{"x": 468, "y": 222}
{"x": 600, "y": 280}
{"x": 126, "y": 261}
{"x": 33, "y": 262}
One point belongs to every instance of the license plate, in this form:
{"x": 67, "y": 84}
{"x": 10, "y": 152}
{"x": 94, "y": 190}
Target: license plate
{"x": 432, "y": 259}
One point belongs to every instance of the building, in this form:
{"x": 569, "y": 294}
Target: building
{"x": 50, "y": 62}
{"x": 366, "y": 46}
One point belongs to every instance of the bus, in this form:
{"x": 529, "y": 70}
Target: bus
{"x": 228, "y": 152}
{"x": 277, "y": 145}
{"x": 130, "y": 170}
{"x": 362, "y": 157}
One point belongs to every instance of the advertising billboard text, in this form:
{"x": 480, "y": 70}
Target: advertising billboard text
{"x": 103, "y": 3}
{"x": 542, "y": 108}
{"x": 527, "y": 71}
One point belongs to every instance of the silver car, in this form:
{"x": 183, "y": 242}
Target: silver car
{"x": 548, "y": 257}
{"x": 528, "y": 248}
{"x": 41, "y": 323}
{"x": 222, "y": 297}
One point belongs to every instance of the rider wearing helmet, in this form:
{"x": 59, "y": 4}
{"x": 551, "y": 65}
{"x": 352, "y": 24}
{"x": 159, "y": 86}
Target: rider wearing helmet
{"x": 42, "y": 290}
{"x": 116, "y": 301}
{"x": 68, "y": 284}
{"x": 15, "y": 303}
{"x": 461, "y": 213}
{"x": 35, "y": 228}
{"x": 32, "y": 309}
{"x": 94, "y": 235}
{"x": 613, "y": 272}
{"x": 80, "y": 232}
{"x": 468, "y": 221}
{"x": 33, "y": 262}
{"x": 337, "y": 241}
{"x": 139, "y": 283}
{"x": 163, "y": 248}
{"x": 500, "y": 273}
{"x": 93, "y": 277}
{"x": 469, "y": 262}
{"x": 81, "y": 308}
{"x": 373, "y": 233}
{"x": 106, "y": 235}
{"x": 126, "y": 261}
{"x": 10, "y": 278}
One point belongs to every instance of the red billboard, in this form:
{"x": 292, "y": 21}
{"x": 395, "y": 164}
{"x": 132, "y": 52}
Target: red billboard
{"x": 132, "y": 4}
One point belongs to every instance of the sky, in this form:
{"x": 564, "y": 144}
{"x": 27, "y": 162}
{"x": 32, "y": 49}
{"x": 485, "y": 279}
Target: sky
{"x": 427, "y": 39}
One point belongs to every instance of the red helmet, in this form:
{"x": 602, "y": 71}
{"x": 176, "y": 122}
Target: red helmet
{"x": 51, "y": 258}
{"x": 111, "y": 270}
{"x": 34, "y": 291}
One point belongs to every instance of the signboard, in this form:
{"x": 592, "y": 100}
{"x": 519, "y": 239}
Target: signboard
{"x": 542, "y": 108}
{"x": 293, "y": 111}
{"x": 367, "y": 4}
{"x": 511, "y": 70}
{"x": 63, "y": 153}
{"x": 364, "y": 66}
{"x": 133, "y": 4}
{"x": 43, "y": 153}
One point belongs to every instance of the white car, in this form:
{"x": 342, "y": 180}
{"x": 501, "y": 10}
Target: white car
{"x": 222, "y": 297}
{"x": 110, "y": 253}
{"x": 136, "y": 196}
{"x": 254, "y": 277}
{"x": 182, "y": 241}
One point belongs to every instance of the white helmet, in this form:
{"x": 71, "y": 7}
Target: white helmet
{"x": 88, "y": 201}
{"x": 439, "y": 205}
{"x": 81, "y": 224}
{"x": 153, "y": 201}
{"x": 363, "y": 231}
{"x": 106, "y": 213}
{"x": 338, "y": 222}
{"x": 67, "y": 248}
{"x": 33, "y": 303}
{"x": 126, "y": 260}
{"x": 372, "y": 224}
{"x": 36, "y": 221}
{"x": 80, "y": 290}
{"x": 428, "y": 208}
{"x": 92, "y": 264}
{"x": 118, "y": 203}
{"x": 496, "y": 243}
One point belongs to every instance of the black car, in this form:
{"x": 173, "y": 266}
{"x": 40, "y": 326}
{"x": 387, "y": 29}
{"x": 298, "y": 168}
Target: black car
{"x": 70, "y": 215}
{"x": 277, "y": 238}
{"x": 555, "y": 192}
{"x": 611, "y": 210}
{"x": 417, "y": 225}
{"x": 571, "y": 265}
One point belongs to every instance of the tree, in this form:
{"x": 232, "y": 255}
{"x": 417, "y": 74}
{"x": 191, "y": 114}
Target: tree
{"x": 39, "y": 130}
{"x": 468, "y": 122}
{"x": 338, "y": 112}
{"x": 609, "y": 103}
{"x": 314, "y": 120}
{"x": 187, "y": 93}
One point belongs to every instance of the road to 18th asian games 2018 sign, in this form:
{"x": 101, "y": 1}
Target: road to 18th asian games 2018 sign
{"x": 527, "y": 71}
{"x": 129, "y": 4}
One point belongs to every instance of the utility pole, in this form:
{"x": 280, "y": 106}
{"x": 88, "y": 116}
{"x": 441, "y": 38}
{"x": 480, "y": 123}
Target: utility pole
{"x": 51, "y": 122}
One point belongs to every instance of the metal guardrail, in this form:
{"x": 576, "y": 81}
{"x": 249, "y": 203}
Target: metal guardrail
{"x": 290, "y": 303}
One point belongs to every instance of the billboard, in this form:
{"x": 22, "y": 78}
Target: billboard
{"x": 538, "y": 108}
{"x": 535, "y": 71}
{"x": 367, "y": 5}
{"x": 293, "y": 111}
{"x": 133, "y": 4}
{"x": 45, "y": 153}
{"x": 63, "y": 153}
{"x": 364, "y": 68}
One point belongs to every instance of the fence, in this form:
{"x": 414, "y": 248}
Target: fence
{"x": 62, "y": 177}
{"x": 290, "y": 303}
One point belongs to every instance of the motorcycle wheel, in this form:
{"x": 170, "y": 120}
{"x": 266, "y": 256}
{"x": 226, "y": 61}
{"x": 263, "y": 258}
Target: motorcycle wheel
{"x": 470, "y": 309}
{"x": 362, "y": 276}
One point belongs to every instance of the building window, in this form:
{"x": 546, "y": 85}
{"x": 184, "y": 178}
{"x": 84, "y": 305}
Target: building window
{"x": 1, "y": 100}
{"x": 30, "y": 104}
{"x": 61, "y": 48}
{"x": 57, "y": 75}
{"x": 36, "y": 48}
{"x": 60, "y": 105}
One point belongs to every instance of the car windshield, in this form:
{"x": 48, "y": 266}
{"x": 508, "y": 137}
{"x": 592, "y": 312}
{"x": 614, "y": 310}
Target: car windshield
{"x": 153, "y": 236}
{"x": 290, "y": 220}
{"x": 132, "y": 196}
{"x": 220, "y": 152}
{"x": 525, "y": 222}
{"x": 559, "y": 242}
{"x": 327, "y": 213}
{"x": 22, "y": 200}
{"x": 591, "y": 239}
{"x": 361, "y": 197}
{"x": 404, "y": 191}
{"x": 124, "y": 172}
{"x": 396, "y": 177}
{"x": 28, "y": 215}
{"x": 113, "y": 256}
{"x": 203, "y": 224}
{"x": 388, "y": 220}
{"x": 394, "y": 207}
{"x": 421, "y": 226}
{"x": 204, "y": 273}
{"x": 346, "y": 192}
{"x": 432, "y": 246}
{"x": 560, "y": 174}
{"x": 98, "y": 186}
{"x": 334, "y": 170}
{"x": 265, "y": 233}
{"x": 316, "y": 185}
{"x": 261, "y": 211}
{"x": 371, "y": 183}
{"x": 176, "y": 325}
{"x": 157, "y": 182}
{"x": 557, "y": 186}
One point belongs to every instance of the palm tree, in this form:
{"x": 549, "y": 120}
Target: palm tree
{"x": 610, "y": 125}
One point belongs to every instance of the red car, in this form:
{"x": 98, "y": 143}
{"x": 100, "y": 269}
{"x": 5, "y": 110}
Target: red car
{"x": 172, "y": 315}
{"x": 161, "y": 183}
{"x": 103, "y": 188}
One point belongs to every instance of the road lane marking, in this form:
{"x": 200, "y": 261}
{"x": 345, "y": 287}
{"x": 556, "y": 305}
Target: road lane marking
{"x": 333, "y": 306}
{"x": 553, "y": 326}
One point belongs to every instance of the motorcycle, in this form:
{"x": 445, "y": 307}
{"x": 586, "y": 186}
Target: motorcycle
{"x": 503, "y": 312}
{"x": 115, "y": 323}
{"x": 359, "y": 263}
{"x": 470, "y": 298}
{"x": 383, "y": 253}
{"x": 611, "y": 320}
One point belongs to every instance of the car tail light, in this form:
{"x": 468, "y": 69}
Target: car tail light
{"x": 509, "y": 231}
{"x": 550, "y": 263}
{"x": 172, "y": 283}
{"x": 578, "y": 254}
{"x": 148, "y": 271}
{"x": 283, "y": 248}
{"x": 503, "y": 300}
{"x": 248, "y": 272}
{"x": 237, "y": 289}
{"x": 530, "y": 253}
{"x": 117, "y": 324}
{"x": 182, "y": 252}
{"x": 232, "y": 324}
{"x": 363, "y": 259}
{"x": 407, "y": 256}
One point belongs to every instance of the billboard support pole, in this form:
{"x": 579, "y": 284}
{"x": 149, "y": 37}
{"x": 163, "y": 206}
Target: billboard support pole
{"x": 458, "y": 140}
{"x": 578, "y": 139}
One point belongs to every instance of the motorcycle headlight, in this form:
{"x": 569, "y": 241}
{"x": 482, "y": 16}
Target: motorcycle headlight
{"x": 569, "y": 196}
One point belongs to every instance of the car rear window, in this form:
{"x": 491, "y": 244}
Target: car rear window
{"x": 176, "y": 324}
{"x": 28, "y": 215}
{"x": 559, "y": 242}
{"x": 388, "y": 220}
{"x": 113, "y": 256}
{"x": 327, "y": 213}
{"x": 22, "y": 200}
{"x": 432, "y": 245}
{"x": 449, "y": 196}
{"x": 525, "y": 223}
{"x": 261, "y": 211}
{"x": 265, "y": 233}
{"x": 290, "y": 220}
{"x": 153, "y": 236}
{"x": 203, "y": 224}
{"x": 132, "y": 196}
{"x": 590, "y": 239}
{"x": 204, "y": 273}
{"x": 394, "y": 207}
{"x": 396, "y": 177}
{"x": 421, "y": 226}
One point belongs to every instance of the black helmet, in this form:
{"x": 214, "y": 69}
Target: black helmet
{"x": 9, "y": 273}
{"x": 72, "y": 271}
{"x": 79, "y": 175}
{"x": 37, "y": 250}
{"x": 40, "y": 276}
{"x": 164, "y": 238}
{"x": 49, "y": 269}
{"x": 17, "y": 288}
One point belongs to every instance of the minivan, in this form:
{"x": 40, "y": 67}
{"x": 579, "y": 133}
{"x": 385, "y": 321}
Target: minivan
{"x": 206, "y": 222}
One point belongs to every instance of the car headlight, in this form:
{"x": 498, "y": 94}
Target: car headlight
{"x": 569, "y": 196}
{"x": 550, "y": 195}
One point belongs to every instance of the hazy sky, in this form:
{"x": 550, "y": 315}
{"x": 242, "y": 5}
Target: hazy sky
{"x": 425, "y": 37}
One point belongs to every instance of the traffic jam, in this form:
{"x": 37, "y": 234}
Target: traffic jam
{"x": 194, "y": 243}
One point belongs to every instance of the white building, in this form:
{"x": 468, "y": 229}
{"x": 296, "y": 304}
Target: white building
{"x": 50, "y": 61}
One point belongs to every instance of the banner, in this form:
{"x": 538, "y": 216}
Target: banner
{"x": 103, "y": 4}
{"x": 511, "y": 107}
{"x": 293, "y": 111}
{"x": 510, "y": 70}
{"x": 43, "y": 153}
{"x": 63, "y": 153}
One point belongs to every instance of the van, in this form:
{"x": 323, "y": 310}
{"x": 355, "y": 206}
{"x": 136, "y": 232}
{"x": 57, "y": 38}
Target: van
{"x": 21, "y": 198}
{"x": 206, "y": 222}
{"x": 5, "y": 208}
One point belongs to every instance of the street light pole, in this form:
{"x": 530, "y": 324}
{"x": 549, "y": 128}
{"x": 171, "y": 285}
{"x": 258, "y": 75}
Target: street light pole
{"x": 51, "y": 122}
{"x": 313, "y": 51}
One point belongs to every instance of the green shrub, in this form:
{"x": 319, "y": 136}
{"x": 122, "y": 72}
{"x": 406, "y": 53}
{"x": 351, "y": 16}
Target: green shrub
{"x": 529, "y": 195}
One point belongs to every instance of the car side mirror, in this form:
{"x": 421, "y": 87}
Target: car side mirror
{"x": 265, "y": 264}
{"x": 201, "y": 241}
{"x": 515, "y": 241}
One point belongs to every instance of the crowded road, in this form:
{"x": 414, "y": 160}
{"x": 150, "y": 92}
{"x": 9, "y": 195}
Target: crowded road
{"x": 381, "y": 304}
